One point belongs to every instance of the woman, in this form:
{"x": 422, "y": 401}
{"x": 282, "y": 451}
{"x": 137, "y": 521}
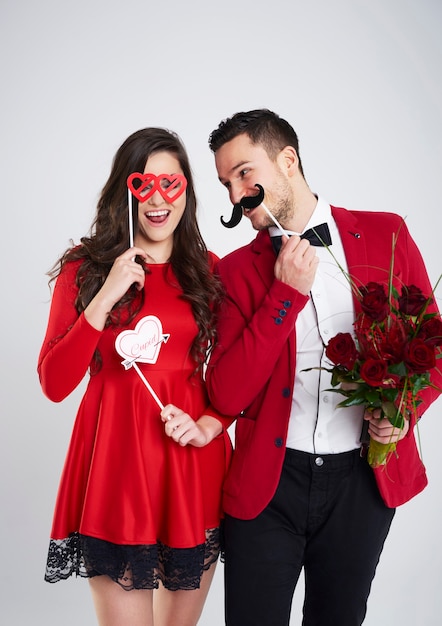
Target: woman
{"x": 138, "y": 507}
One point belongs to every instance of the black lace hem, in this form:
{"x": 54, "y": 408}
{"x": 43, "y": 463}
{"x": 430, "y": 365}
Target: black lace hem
{"x": 132, "y": 567}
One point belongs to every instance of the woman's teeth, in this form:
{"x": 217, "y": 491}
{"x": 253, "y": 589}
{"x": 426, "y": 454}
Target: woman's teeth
{"x": 157, "y": 213}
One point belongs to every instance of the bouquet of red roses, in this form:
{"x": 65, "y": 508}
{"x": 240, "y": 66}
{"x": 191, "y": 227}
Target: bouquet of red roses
{"x": 387, "y": 363}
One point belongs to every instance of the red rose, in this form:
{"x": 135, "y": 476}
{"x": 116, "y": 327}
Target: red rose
{"x": 431, "y": 331}
{"x": 341, "y": 350}
{"x": 419, "y": 356}
{"x": 391, "y": 381}
{"x": 364, "y": 332}
{"x": 374, "y": 301}
{"x": 373, "y": 372}
{"x": 368, "y": 347}
{"x": 377, "y": 341}
{"x": 412, "y": 301}
{"x": 394, "y": 341}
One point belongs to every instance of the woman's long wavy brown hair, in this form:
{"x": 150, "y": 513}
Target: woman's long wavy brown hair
{"x": 109, "y": 238}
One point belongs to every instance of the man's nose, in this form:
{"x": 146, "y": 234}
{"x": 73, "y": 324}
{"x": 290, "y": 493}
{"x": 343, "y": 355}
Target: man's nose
{"x": 237, "y": 192}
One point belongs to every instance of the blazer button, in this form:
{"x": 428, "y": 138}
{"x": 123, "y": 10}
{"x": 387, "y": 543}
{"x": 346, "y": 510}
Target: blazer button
{"x": 278, "y": 442}
{"x": 286, "y": 392}
{"x": 287, "y": 303}
{"x": 278, "y": 320}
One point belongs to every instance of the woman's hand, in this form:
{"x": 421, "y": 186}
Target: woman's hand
{"x": 380, "y": 429}
{"x": 184, "y": 430}
{"x": 124, "y": 273}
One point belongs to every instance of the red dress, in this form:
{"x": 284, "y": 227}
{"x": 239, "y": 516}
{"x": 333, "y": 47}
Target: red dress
{"x": 125, "y": 483}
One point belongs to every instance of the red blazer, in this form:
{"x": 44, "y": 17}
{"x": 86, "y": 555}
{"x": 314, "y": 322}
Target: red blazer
{"x": 251, "y": 371}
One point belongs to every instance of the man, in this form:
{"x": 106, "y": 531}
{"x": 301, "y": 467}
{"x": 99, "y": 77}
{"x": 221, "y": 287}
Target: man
{"x": 300, "y": 493}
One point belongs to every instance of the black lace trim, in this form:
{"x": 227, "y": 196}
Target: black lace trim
{"x": 132, "y": 567}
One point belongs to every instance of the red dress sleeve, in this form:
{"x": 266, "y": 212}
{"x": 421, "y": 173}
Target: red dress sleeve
{"x": 70, "y": 341}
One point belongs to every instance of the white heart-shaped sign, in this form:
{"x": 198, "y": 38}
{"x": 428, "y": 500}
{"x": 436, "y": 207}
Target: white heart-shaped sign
{"x": 142, "y": 344}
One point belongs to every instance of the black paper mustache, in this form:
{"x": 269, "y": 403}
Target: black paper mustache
{"x": 246, "y": 202}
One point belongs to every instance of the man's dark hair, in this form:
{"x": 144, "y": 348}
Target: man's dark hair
{"x": 262, "y": 127}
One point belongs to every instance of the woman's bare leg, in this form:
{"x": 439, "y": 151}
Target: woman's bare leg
{"x": 181, "y": 608}
{"x": 115, "y": 606}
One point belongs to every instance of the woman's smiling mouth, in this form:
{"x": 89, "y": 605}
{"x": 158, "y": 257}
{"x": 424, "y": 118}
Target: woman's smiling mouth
{"x": 157, "y": 217}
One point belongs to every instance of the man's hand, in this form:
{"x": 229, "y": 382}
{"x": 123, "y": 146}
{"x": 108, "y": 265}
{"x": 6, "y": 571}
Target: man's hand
{"x": 297, "y": 263}
{"x": 380, "y": 429}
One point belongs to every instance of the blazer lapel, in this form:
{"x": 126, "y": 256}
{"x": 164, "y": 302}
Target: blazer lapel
{"x": 355, "y": 247}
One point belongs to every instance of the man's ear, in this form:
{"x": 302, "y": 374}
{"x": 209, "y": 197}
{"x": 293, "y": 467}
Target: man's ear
{"x": 288, "y": 160}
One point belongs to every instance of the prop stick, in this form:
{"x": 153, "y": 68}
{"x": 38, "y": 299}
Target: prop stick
{"x": 131, "y": 218}
{"x": 283, "y": 232}
{"x": 151, "y": 391}
{"x": 129, "y": 364}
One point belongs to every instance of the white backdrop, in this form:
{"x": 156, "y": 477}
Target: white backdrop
{"x": 361, "y": 82}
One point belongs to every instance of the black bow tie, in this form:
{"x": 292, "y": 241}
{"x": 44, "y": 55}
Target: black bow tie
{"x": 318, "y": 236}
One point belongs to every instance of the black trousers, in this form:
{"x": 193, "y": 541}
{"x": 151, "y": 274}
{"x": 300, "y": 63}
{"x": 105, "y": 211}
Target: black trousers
{"x": 327, "y": 517}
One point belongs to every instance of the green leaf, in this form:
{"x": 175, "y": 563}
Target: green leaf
{"x": 399, "y": 369}
{"x": 336, "y": 378}
{"x": 352, "y": 401}
{"x": 373, "y": 397}
{"x": 394, "y": 417}
{"x": 390, "y": 394}
{"x": 420, "y": 383}
{"x": 428, "y": 316}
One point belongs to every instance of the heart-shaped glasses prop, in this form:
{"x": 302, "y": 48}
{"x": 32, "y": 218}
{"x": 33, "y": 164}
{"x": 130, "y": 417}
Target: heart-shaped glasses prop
{"x": 142, "y": 345}
{"x": 250, "y": 202}
{"x": 143, "y": 186}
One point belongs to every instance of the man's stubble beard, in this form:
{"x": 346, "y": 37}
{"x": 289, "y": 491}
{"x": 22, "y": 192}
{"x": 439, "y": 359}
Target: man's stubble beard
{"x": 283, "y": 207}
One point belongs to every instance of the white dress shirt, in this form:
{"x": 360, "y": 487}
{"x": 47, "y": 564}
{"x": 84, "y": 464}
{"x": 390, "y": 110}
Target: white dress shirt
{"x": 316, "y": 424}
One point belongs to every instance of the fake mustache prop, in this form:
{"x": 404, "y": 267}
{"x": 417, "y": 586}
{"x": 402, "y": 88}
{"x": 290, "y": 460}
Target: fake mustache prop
{"x": 247, "y": 202}
{"x": 251, "y": 202}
